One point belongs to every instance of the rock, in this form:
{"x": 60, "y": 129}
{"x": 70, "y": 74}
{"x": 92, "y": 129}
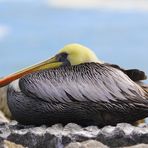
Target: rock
{"x": 8, "y": 144}
{"x": 74, "y": 145}
{"x": 87, "y": 144}
{"x": 138, "y": 146}
{"x": 57, "y": 136}
{"x": 3, "y": 119}
{"x": 3, "y": 102}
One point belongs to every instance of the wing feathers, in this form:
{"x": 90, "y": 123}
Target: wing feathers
{"x": 81, "y": 83}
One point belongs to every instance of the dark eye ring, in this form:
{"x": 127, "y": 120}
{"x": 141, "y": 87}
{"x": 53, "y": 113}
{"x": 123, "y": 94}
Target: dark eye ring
{"x": 62, "y": 57}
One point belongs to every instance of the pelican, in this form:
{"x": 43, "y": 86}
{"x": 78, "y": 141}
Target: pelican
{"x": 74, "y": 86}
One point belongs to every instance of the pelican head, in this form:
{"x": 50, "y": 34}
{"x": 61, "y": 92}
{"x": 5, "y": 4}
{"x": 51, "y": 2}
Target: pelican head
{"x": 76, "y": 54}
{"x": 72, "y": 54}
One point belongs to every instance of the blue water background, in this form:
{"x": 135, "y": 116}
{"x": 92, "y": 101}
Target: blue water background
{"x": 38, "y": 31}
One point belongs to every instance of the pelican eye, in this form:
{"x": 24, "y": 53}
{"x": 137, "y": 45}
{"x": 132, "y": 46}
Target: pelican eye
{"x": 62, "y": 57}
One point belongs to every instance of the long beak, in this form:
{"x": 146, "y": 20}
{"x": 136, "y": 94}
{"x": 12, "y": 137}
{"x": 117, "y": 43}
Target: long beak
{"x": 48, "y": 64}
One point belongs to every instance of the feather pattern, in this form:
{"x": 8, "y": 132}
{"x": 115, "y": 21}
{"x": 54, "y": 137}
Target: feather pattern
{"x": 97, "y": 82}
{"x": 89, "y": 93}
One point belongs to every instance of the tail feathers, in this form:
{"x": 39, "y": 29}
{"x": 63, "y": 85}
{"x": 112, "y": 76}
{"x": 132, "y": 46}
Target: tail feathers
{"x": 133, "y": 74}
{"x": 136, "y": 74}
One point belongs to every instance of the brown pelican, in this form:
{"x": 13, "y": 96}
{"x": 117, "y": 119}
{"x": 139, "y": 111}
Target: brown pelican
{"x": 74, "y": 86}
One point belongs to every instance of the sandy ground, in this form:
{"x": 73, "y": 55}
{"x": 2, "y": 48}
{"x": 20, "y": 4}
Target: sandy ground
{"x": 141, "y": 5}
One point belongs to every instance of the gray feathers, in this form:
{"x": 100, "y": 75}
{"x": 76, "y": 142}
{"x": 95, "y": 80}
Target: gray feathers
{"x": 85, "y": 82}
{"x": 87, "y": 94}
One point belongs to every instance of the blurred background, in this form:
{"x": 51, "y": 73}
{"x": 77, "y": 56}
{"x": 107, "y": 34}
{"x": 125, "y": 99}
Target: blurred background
{"x": 34, "y": 30}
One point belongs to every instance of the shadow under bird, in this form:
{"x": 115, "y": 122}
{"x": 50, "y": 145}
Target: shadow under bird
{"x": 74, "y": 86}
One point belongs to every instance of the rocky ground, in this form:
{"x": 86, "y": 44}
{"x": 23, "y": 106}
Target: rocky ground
{"x": 72, "y": 135}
